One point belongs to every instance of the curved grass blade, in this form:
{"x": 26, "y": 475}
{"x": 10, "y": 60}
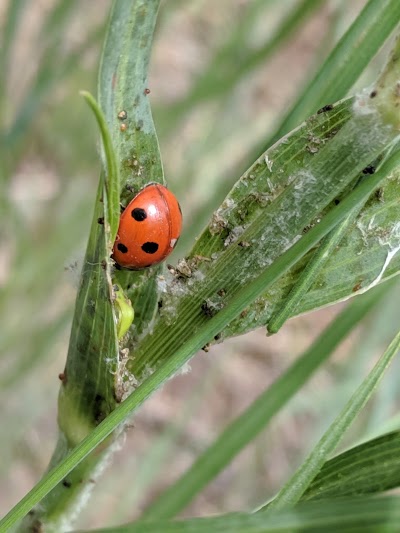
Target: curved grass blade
{"x": 254, "y": 419}
{"x": 112, "y": 185}
{"x": 293, "y": 490}
{"x": 371, "y": 467}
{"x": 366, "y": 515}
{"x": 187, "y": 349}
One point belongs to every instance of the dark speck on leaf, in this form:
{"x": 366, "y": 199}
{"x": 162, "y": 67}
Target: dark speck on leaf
{"x": 324, "y": 109}
{"x": 369, "y": 170}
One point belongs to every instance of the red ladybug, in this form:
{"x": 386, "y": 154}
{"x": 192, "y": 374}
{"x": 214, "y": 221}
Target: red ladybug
{"x": 149, "y": 228}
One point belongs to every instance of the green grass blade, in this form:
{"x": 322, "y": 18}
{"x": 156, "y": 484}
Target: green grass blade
{"x": 254, "y": 419}
{"x": 266, "y": 211}
{"x": 370, "y": 467}
{"x": 112, "y": 181}
{"x": 367, "y": 515}
{"x": 289, "y": 305}
{"x": 345, "y": 64}
{"x": 378, "y": 19}
{"x": 293, "y": 490}
{"x": 199, "y": 339}
{"x": 257, "y": 222}
{"x": 90, "y": 387}
{"x": 123, "y": 95}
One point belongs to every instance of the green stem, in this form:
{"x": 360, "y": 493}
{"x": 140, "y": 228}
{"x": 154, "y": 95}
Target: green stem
{"x": 90, "y": 387}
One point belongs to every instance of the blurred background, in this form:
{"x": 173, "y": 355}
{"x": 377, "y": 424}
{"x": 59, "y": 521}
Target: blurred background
{"x": 222, "y": 76}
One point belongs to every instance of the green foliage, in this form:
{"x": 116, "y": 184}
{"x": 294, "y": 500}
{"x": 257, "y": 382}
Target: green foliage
{"x": 350, "y": 57}
{"x": 355, "y": 516}
{"x": 123, "y": 96}
{"x": 291, "y": 493}
{"x": 367, "y": 468}
{"x": 259, "y": 413}
{"x": 314, "y": 220}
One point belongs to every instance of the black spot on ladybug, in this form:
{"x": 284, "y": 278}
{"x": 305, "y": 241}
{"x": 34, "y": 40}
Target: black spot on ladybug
{"x": 122, "y": 248}
{"x": 150, "y": 247}
{"x": 67, "y": 483}
{"x": 370, "y": 169}
{"x": 139, "y": 214}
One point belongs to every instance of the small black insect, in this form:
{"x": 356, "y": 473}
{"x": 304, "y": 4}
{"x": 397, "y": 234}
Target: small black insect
{"x": 324, "y": 109}
{"x": 370, "y": 169}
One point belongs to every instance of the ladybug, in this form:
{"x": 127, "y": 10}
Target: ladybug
{"x": 149, "y": 228}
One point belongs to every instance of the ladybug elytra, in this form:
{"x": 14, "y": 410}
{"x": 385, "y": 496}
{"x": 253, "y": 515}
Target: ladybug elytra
{"x": 149, "y": 228}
